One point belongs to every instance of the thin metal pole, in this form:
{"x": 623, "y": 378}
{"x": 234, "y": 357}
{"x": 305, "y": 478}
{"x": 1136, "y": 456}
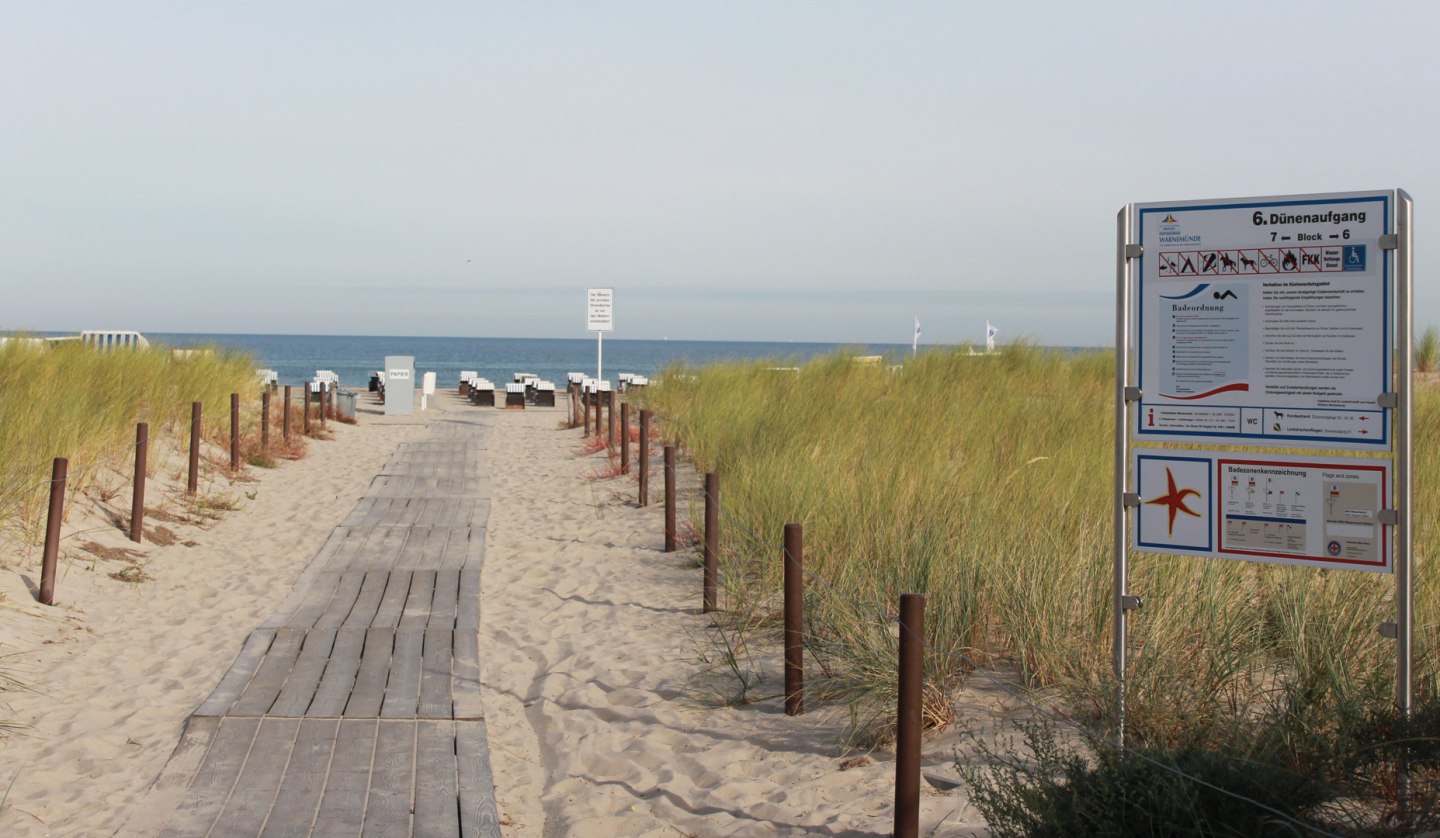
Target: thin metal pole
{"x": 624, "y": 437}
{"x": 265, "y": 421}
{"x": 1119, "y": 554}
{"x": 285, "y": 422}
{"x": 192, "y": 482}
{"x": 644, "y": 457}
{"x": 794, "y": 557}
{"x": 137, "y": 497}
{"x": 599, "y": 355}
{"x": 669, "y": 498}
{"x": 609, "y": 418}
{"x": 234, "y": 431}
{"x": 711, "y": 550}
{"x": 51, "y": 556}
{"x": 1404, "y": 481}
{"x": 907, "y": 735}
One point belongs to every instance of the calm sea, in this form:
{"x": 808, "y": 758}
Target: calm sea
{"x": 354, "y": 358}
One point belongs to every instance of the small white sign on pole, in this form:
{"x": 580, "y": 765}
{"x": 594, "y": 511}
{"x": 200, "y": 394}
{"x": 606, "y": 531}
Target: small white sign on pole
{"x": 600, "y": 318}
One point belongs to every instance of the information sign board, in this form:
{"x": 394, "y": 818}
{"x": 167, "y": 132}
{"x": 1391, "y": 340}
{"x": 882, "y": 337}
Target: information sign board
{"x": 1267, "y": 508}
{"x": 600, "y": 311}
{"x": 1265, "y": 321}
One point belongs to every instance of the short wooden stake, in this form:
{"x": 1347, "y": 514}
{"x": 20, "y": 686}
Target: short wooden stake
{"x": 137, "y": 496}
{"x": 51, "y": 557}
{"x": 644, "y": 458}
{"x": 192, "y": 482}
{"x": 265, "y": 421}
{"x": 610, "y": 419}
{"x": 794, "y": 557}
{"x": 669, "y": 498}
{"x": 711, "y": 550}
{"x": 624, "y": 437}
{"x": 285, "y": 421}
{"x": 234, "y": 431}
{"x": 907, "y": 735}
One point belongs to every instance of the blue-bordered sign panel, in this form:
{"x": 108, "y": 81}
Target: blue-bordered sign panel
{"x": 1267, "y": 508}
{"x": 1265, "y": 321}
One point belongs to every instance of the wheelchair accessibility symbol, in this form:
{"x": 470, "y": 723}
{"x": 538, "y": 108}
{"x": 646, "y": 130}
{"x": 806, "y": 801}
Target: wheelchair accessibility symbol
{"x": 1354, "y": 257}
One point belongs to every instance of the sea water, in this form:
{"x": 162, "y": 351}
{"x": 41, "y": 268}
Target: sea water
{"x": 354, "y": 358}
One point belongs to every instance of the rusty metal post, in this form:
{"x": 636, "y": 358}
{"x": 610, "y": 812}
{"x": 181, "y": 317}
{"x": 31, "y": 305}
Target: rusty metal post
{"x": 137, "y": 497}
{"x": 907, "y": 735}
{"x": 585, "y": 397}
{"x": 285, "y": 422}
{"x": 644, "y": 457}
{"x": 52, "y": 530}
{"x": 711, "y": 551}
{"x": 234, "y": 431}
{"x": 624, "y": 437}
{"x": 610, "y": 419}
{"x": 669, "y": 498}
{"x": 794, "y": 620}
{"x": 265, "y": 421}
{"x": 192, "y": 483}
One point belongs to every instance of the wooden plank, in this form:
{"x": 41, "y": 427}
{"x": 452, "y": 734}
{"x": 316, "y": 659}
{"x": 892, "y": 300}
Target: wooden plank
{"x": 259, "y": 782}
{"x": 212, "y": 784}
{"x": 447, "y": 600}
{"x": 234, "y": 681}
{"x": 148, "y": 817}
{"x": 481, "y": 516}
{"x": 478, "y": 816}
{"x": 465, "y": 676}
{"x": 393, "y": 780}
{"x": 390, "y": 551}
{"x": 368, "y": 693}
{"x": 456, "y": 547}
{"x": 342, "y": 601}
{"x": 342, "y": 806}
{"x": 367, "y": 601}
{"x": 358, "y": 515}
{"x": 413, "y": 556}
{"x": 265, "y": 684}
{"x": 436, "y": 787}
{"x": 436, "y": 539}
{"x": 435, "y": 677}
{"x": 299, "y": 689}
{"x": 475, "y": 548}
{"x": 402, "y": 692}
{"x": 294, "y": 809}
{"x": 317, "y": 599}
{"x": 392, "y": 604}
{"x": 417, "y": 604}
{"x": 468, "y": 614}
{"x": 333, "y": 693}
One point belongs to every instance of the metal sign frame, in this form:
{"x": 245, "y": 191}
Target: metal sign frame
{"x": 600, "y": 318}
{"x": 1395, "y": 247}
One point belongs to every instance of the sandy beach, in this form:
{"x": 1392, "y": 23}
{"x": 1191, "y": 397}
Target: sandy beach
{"x": 589, "y": 643}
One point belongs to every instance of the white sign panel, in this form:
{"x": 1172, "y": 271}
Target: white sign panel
{"x": 600, "y": 313}
{"x": 1266, "y": 508}
{"x": 1265, "y": 321}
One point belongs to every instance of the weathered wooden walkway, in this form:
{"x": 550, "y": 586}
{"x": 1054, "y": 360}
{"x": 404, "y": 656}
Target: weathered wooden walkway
{"x": 355, "y": 709}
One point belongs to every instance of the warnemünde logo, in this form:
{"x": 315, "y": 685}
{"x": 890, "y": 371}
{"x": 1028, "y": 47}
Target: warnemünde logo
{"x": 1170, "y": 231}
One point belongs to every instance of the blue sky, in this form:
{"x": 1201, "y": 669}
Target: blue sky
{"x": 744, "y": 171}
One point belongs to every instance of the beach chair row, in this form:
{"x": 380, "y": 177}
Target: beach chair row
{"x": 526, "y": 389}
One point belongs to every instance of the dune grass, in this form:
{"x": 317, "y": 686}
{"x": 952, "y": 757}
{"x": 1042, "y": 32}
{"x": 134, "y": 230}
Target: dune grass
{"x": 71, "y": 401}
{"x": 985, "y": 483}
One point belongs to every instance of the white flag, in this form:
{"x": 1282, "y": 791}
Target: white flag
{"x": 990, "y": 333}
{"x": 915, "y": 344}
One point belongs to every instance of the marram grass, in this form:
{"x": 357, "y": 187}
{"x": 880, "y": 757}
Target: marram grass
{"x": 72, "y": 401}
{"x": 985, "y": 483}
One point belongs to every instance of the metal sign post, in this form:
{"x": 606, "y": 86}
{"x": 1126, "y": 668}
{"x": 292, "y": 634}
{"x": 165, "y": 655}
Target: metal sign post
{"x": 1245, "y": 325}
{"x": 600, "y": 318}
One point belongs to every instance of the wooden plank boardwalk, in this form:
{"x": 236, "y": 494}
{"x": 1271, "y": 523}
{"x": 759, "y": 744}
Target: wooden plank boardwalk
{"x": 355, "y": 709}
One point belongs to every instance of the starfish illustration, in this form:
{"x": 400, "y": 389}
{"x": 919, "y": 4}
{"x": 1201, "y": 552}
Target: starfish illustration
{"x": 1175, "y": 500}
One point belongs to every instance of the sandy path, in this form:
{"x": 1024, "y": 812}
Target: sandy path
{"x": 118, "y": 666}
{"x": 589, "y": 637}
